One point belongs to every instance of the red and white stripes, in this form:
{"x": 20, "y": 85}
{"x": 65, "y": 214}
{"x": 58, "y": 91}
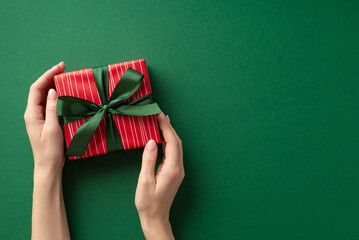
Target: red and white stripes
{"x": 135, "y": 131}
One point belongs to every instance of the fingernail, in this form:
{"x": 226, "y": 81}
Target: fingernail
{"x": 168, "y": 118}
{"x": 151, "y": 145}
{"x": 162, "y": 115}
{"x": 52, "y": 94}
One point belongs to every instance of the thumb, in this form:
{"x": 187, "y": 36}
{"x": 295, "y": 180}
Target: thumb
{"x": 149, "y": 158}
{"x": 51, "y": 116}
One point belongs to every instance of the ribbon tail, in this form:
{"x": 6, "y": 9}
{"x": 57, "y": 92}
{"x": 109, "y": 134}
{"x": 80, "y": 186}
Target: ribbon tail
{"x": 83, "y": 135}
{"x": 147, "y": 99}
{"x": 113, "y": 138}
{"x": 142, "y": 110}
{"x": 70, "y": 119}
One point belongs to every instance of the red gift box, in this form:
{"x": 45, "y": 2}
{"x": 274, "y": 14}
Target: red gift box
{"x": 135, "y": 131}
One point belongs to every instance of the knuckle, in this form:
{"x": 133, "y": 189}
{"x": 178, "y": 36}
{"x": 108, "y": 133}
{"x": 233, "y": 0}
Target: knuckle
{"x": 145, "y": 182}
{"x": 51, "y": 130}
{"x": 32, "y": 86}
{"x": 174, "y": 174}
{"x": 51, "y": 108}
{"x": 138, "y": 204}
{"x": 183, "y": 175}
{"x": 51, "y": 105}
{"x": 141, "y": 207}
{"x": 26, "y": 117}
{"x": 149, "y": 159}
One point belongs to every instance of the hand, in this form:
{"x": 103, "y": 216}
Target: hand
{"x": 42, "y": 123}
{"x": 156, "y": 192}
{"x": 49, "y": 219}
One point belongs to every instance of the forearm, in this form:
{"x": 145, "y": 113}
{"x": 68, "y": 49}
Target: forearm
{"x": 49, "y": 219}
{"x": 159, "y": 230}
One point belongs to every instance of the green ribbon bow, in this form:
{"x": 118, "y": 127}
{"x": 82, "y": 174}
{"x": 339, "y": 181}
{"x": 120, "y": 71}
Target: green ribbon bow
{"x": 73, "y": 108}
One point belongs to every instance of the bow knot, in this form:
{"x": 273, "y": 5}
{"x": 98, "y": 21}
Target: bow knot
{"x": 105, "y": 107}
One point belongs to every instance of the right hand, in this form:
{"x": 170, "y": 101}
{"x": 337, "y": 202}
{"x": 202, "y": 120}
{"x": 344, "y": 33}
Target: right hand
{"x": 155, "y": 192}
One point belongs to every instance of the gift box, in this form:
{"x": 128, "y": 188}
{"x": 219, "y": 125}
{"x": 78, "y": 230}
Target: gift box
{"x": 106, "y": 109}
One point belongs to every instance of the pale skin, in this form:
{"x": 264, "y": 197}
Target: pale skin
{"x": 155, "y": 190}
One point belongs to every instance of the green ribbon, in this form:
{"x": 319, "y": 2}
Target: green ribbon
{"x": 73, "y": 108}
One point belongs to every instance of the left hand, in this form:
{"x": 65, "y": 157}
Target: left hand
{"x": 42, "y": 123}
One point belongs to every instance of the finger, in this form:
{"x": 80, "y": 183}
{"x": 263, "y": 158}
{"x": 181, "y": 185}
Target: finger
{"x": 51, "y": 118}
{"x": 169, "y": 134}
{"x": 163, "y": 145}
{"x": 39, "y": 88}
{"x": 181, "y": 150}
{"x": 149, "y": 158}
{"x": 34, "y": 114}
{"x": 159, "y": 169}
{"x": 172, "y": 149}
{"x": 180, "y": 159}
{"x": 167, "y": 118}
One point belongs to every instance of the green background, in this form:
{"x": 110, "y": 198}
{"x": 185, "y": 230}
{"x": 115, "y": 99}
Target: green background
{"x": 264, "y": 95}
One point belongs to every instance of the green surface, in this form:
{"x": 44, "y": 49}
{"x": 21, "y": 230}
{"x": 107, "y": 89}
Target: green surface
{"x": 263, "y": 94}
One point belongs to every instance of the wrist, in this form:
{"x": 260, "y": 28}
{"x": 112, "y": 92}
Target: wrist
{"x": 46, "y": 175}
{"x": 45, "y": 168}
{"x": 156, "y": 228}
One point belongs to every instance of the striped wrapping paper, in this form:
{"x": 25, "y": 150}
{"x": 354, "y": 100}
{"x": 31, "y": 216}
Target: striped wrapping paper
{"x": 135, "y": 131}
